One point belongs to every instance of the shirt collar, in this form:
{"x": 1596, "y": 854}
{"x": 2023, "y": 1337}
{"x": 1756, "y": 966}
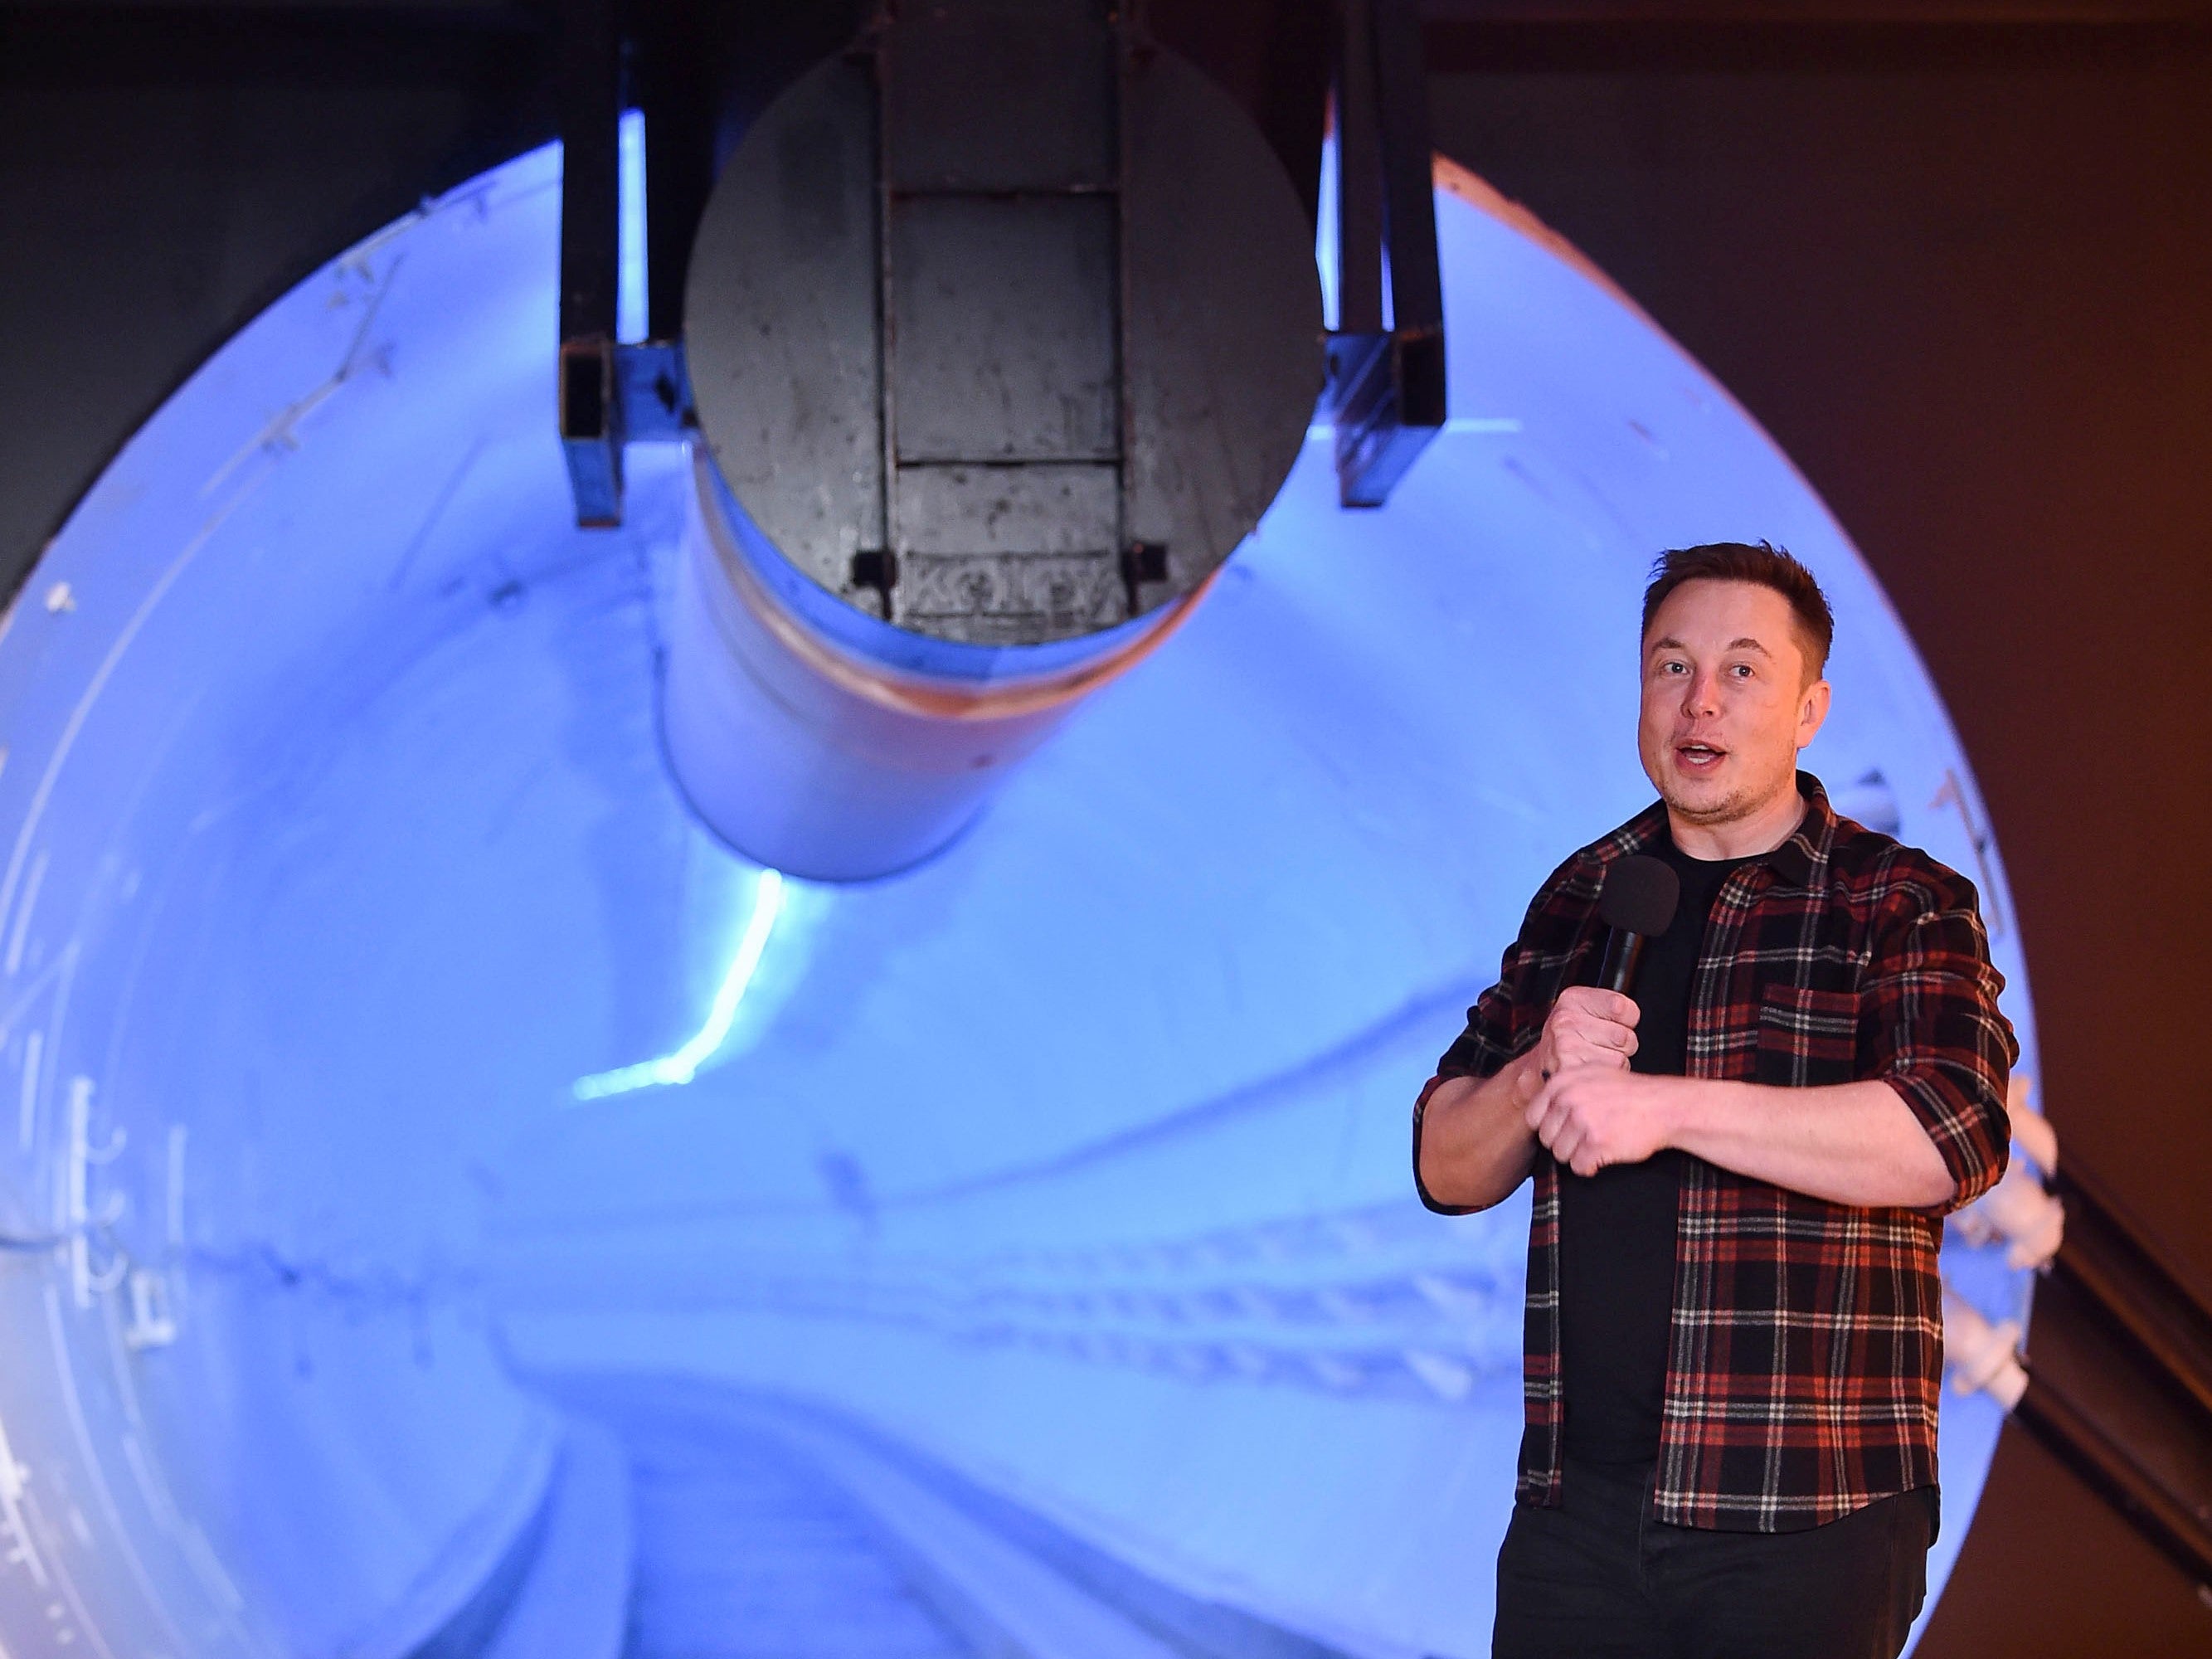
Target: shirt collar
{"x": 1802, "y": 861}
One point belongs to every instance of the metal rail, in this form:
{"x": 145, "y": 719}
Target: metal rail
{"x": 2120, "y": 1384}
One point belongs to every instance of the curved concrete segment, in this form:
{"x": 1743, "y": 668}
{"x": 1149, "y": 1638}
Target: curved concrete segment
{"x": 339, "y": 854}
{"x": 811, "y": 754}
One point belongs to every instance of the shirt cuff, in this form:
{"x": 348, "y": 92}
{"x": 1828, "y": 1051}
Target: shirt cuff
{"x": 1945, "y": 1116}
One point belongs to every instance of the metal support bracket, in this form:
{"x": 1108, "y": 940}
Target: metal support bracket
{"x": 614, "y": 395}
{"x": 590, "y": 80}
{"x": 1386, "y": 384}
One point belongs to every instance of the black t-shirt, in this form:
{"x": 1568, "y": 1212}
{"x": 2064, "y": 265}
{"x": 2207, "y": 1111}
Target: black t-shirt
{"x": 1617, "y": 1227}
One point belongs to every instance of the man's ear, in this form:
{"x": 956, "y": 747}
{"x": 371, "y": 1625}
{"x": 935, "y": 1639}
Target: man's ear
{"x": 1813, "y": 712}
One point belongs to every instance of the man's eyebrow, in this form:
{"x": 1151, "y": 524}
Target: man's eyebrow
{"x": 1669, "y": 643}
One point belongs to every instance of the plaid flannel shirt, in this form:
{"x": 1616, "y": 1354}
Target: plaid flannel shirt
{"x": 1806, "y": 1349}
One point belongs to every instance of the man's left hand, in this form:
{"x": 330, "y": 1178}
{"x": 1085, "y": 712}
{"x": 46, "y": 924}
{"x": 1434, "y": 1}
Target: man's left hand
{"x": 1589, "y": 1116}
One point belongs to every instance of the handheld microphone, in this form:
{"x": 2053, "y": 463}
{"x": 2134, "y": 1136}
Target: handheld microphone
{"x": 1638, "y": 903}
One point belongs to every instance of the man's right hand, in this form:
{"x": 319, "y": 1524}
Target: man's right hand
{"x": 1475, "y": 1147}
{"x": 1587, "y": 1027}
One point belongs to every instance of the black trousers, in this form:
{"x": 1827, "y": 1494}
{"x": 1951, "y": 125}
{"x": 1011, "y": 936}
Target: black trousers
{"x": 1599, "y": 1575}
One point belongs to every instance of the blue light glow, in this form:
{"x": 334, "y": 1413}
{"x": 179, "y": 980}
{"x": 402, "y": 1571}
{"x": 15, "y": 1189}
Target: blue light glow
{"x": 1073, "y": 1162}
{"x": 630, "y": 300}
{"x": 683, "y": 1065}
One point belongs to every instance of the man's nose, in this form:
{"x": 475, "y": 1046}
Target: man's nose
{"x": 1702, "y": 695}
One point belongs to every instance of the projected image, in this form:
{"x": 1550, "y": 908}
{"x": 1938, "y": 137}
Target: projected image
{"x": 457, "y": 1204}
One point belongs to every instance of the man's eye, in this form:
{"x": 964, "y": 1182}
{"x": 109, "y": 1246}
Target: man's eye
{"x": 1741, "y": 670}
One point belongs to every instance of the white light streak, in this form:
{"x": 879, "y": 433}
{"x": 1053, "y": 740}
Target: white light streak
{"x": 175, "y": 1205}
{"x": 683, "y": 1065}
{"x": 629, "y": 229}
{"x": 27, "y": 1108}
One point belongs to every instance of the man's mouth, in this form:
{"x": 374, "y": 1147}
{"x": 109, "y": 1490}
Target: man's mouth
{"x": 1696, "y": 757}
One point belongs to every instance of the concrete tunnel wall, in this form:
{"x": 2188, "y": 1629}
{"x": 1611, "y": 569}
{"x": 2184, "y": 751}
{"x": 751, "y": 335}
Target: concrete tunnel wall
{"x": 339, "y": 850}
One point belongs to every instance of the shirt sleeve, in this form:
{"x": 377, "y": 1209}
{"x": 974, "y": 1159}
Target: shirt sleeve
{"x": 1496, "y": 1029}
{"x": 1933, "y": 1030}
{"x": 1500, "y": 1027}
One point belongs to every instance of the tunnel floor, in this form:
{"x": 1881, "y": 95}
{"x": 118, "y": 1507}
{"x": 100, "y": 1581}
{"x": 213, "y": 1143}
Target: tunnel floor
{"x": 744, "y": 1551}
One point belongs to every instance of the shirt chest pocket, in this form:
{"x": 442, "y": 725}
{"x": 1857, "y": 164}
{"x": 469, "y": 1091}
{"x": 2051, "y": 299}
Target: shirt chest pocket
{"x": 1807, "y": 1038}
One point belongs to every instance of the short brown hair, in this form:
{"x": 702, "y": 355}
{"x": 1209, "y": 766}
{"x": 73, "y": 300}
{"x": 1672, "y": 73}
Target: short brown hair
{"x": 1761, "y": 563}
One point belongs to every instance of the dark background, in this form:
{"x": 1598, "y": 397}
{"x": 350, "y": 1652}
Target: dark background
{"x": 1958, "y": 259}
{"x": 1966, "y": 283}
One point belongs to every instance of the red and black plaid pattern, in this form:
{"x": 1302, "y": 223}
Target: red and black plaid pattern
{"x": 1806, "y": 1350}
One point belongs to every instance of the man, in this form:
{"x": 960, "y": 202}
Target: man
{"x": 1733, "y": 1339}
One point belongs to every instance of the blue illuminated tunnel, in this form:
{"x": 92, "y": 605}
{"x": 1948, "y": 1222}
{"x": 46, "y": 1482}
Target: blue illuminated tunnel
{"x": 424, "y": 1143}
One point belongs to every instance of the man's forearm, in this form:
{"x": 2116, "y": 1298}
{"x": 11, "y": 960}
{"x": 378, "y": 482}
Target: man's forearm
{"x": 1475, "y": 1148}
{"x": 1850, "y": 1143}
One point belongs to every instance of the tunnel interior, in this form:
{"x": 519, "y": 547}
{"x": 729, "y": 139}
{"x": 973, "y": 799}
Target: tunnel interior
{"x": 437, "y": 1154}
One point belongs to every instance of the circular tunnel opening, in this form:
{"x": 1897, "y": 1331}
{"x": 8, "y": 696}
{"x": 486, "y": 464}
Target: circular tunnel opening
{"x": 457, "y": 1204}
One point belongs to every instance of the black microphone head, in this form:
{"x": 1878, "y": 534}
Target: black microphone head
{"x": 1639, "y": 895}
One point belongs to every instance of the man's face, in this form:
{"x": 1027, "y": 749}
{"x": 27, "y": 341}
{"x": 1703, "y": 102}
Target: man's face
{"x": 1727, "y": 701}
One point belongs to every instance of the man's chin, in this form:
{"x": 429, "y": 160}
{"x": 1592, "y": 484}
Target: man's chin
{"x": 1705, "y": 804}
